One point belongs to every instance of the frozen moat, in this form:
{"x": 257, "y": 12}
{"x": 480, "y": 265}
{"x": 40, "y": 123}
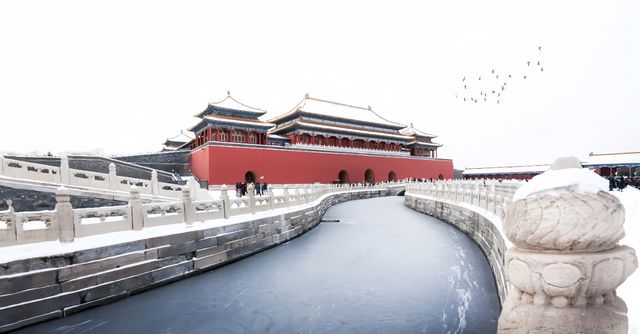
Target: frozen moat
{"x": 383, "y": 268}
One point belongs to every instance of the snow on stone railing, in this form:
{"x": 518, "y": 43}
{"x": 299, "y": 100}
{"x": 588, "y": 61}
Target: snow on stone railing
{"x": 490, "y": 195}
{"x": 65, "y": 223}
{"x": 76, "y": 177}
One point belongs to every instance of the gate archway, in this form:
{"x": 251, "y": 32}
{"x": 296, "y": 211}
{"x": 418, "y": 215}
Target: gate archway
{"x": 249, "y": 177}
{"x": 369, "y": 176}
{"x": 343, "y": 176}
{"x": 392, "y": 176}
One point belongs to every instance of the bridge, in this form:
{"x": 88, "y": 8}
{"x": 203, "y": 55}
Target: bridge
{"x": 105, "y": 254}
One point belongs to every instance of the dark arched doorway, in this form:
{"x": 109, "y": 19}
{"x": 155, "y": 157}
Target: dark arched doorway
{"x": 440, "y": 177}
{"x": 392, "y": 176}
{"x": 369, "y": 177}
{"x": 249, "y": 177}
{"x": 343, "y": 176}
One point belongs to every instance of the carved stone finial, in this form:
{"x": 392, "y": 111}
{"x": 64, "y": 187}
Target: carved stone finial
{"x": 565, "y": 163}
{"x": 306, "y": 95}
{"x": 566, "y": 263}
{"x": 369, "y": 107}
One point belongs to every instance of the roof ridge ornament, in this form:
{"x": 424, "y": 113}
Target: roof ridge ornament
{"x": 228, "y": 93}
{"x": 306, "y": 95}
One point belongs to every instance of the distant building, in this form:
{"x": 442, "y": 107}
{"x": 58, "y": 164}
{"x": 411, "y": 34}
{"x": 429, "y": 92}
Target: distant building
{"x": 317, "y": 141}
{"x": 178, "y": 142}
{"x": 626, "y": 163}
{"x": 524, "y": 172}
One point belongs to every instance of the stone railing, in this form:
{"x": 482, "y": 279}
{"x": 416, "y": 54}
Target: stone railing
{"x": 475, "y": 207}
{"x": 66, "y": 223}
{"x": 74, "y": 177}
{"x": 563, "y": 263}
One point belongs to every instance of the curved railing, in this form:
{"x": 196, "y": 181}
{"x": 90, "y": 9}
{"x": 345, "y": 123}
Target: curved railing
{"x": 66, "y": 223}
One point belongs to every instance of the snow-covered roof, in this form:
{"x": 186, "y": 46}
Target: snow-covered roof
{"x": 272, "y": 135}
{"x": 233, "y": 120}
{"x": 411, "y": 131}
{"x": 338, "y": 110}
{"x": 180, "y": 138}
{"x": 345, "y": 129}
{"x": 506, "y": 170}
{"x": 424, "y": 143}
{"x": 230, "y": 103}
{"x": 624, "y": 158}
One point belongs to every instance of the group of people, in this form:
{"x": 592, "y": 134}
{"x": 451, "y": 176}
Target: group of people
{"x": 258, "y": 188}
{"x": 620, "y": 182}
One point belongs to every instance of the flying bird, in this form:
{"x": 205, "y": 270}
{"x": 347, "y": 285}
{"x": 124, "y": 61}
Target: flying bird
{"x": 465, "y": 86}
{"x": 493, "y": 71}
{"x": 528, "y": 63}
{"x": 541, "y": 69}
{"x": 479, "y": 78}
{"x": 525, "y": 76}
{"x": 538, "y": 63}
{"x": 464, "y": 99}
{"x": 496, "y": 76}
{"x": 498, "y": 101}
{"x": 464, "y": 78}
{"x": 540, "y": 48}
{"x": 509, "y": 76}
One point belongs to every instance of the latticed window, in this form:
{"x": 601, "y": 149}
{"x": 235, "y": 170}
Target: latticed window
{"x": 223, "y": 135}
{"x": 238, "y": 137}
{"x": 252, "y": 138}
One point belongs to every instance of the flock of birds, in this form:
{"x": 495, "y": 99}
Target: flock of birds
{"x": 491, "y": 88}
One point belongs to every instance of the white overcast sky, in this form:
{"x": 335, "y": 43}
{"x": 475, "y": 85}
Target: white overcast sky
{"x": 122, "y": 76}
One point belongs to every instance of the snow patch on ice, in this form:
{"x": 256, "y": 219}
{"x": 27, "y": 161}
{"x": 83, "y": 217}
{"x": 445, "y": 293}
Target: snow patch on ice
{"x": 464, "y": 297}
{"x": 555, "y": 182}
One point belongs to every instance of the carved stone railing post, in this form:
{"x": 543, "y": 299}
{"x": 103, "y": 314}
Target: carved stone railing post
{"x": 270, "y": 198}
{"x": 1, "y": 164}
{"x": 286, "y": 195}
{"x": 135, "y": 206}
{"x": 11, "y": 222}
{"x": 226, "y": 203}
{"x": 189, "y": 212}
{"x": 566, "y": 262}
{"x": 64, "y": 213}
{"x": 252, "y": 198}
{"x": 154, "y": 182}
{"x": 64, "y": 169}
{"x": 113, "y": 178}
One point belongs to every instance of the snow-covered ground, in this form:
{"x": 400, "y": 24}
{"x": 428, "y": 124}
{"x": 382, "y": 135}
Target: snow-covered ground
{"x": 630, "y": 198}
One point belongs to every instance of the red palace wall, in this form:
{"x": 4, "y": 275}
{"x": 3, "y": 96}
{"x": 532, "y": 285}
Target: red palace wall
{"x": 227, "y": 164}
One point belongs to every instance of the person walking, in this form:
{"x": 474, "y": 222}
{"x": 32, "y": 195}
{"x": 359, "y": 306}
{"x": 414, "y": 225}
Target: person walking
{"x": 264, "y": 188}
{"x": 620, "y": 182}
{"x": 612, "y": 182}
{"x": 258, "y": 190}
